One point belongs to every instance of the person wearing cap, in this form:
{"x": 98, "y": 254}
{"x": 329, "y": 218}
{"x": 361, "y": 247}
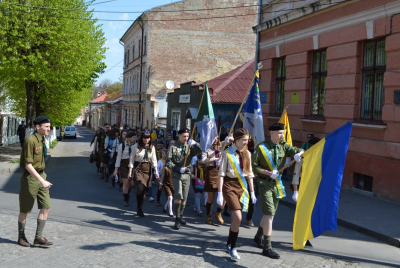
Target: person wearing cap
{"x": 122, "y": 165}
{"x": 21, "y": 132}
{"x": 297, "y": 174}
{"x": 143, "y": 159}
{"x": 269, "y": 157}
{"x": 180, "y": 172}
{"x": 33, "y": 182}
{"x": 235, "y": 173}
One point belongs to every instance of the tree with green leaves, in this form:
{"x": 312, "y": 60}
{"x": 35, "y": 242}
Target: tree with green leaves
{"x": 51, "y": 52}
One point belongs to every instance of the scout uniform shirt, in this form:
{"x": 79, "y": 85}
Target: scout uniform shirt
{"x": 226, "y": 169}
{"x": 137, "y": 156}
{"x": 278, "y": 152}
{"x": 34, "y": 151}
{"x": 177, "y": 153}
{"x": 210, "y": 154}
{"x": 126, "y": 154}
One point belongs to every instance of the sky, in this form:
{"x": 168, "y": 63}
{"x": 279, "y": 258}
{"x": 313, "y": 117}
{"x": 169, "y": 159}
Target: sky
{"x": 113, "y": 30}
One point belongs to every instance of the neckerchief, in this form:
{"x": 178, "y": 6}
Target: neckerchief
{"x": 184, "y": 150}
{"x": 44, "y": 149}
{"x": 267, "y": 155}
{"x": 244, "y": 199}
{"x": 163, "y": 160}
{"x": 129, "y": 149}
{"x": 240, "y": 159}
{"x": 146, "y": 152}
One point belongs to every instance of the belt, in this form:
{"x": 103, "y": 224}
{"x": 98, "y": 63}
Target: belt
{"x": 226, "y": 178}
{"x": 266, "y": 179}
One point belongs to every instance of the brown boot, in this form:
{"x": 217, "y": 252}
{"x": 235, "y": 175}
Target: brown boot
{"x": 42, "y": 242}
{"x": 209, "y": 220}
{"x": 219, "y": 218}
{"x": 22, "y": 241}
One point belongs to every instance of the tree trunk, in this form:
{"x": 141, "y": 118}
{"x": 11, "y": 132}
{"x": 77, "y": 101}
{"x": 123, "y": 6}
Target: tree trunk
{"x": 30, "y": 104}
{"x": 37, "y": 96}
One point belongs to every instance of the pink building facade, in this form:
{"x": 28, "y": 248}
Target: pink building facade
{"x": 332, "y": 62}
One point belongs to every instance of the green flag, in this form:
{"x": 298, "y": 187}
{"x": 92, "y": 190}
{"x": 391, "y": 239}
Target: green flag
{"x": 205, "y": 122}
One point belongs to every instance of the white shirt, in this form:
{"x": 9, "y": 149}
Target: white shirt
{"x": 160, "y": 165}
{"x": 123, "y": 155}
{"x": 137, "y": 156}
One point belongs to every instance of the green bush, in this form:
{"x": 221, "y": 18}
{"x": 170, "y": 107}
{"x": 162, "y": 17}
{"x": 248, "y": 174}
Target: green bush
{"x": 15, "y": 161}
{"x": 53, "y": 144}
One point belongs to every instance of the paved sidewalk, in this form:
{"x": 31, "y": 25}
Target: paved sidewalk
{"x": 368, "y": 215}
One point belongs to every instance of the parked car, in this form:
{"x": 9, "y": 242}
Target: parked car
{"x": 70, "y": 132}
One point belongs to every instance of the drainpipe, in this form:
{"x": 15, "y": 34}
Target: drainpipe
{"x": 141, "y": 73}
{"x": 258, "y": 34}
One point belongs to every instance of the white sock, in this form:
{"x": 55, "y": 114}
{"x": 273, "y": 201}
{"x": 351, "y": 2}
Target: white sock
{"x": 197, "y": 201}
{"x": 170, "y": 198}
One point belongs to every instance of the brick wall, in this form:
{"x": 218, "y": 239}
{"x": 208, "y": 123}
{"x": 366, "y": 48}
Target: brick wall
{"x": 199, "y": 50}
{"x": 373, "y": 151}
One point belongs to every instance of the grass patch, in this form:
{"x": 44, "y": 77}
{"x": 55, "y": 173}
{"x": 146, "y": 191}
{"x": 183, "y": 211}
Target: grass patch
{"x": 53, "y": 144}
{"x": 15, "y": 161}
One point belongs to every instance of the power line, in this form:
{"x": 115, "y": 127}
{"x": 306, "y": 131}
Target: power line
{"x": 185, "y": 19}
{"x": 164, "y": 11}
{"x": 103, "y": 2}
{"x": 113, "y": 66}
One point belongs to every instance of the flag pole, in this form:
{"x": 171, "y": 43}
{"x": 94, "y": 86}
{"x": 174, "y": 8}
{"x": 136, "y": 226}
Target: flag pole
{"x": 289, "y": 164}
{"x": 243, "y": 102}
{"x": 282, "y": 113}
{"x": 194, "y": 128}
{"x": 240, "y": 109}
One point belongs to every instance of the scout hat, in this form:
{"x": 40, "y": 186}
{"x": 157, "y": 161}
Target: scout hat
{"x": 183, "y": 130}
{"x": 239, "y": 133}
{"x": 276, "y": 126}
{"x": 41, "y": 119}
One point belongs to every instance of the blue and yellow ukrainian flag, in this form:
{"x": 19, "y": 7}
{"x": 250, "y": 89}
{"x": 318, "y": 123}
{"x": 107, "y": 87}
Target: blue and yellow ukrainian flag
{"x": 317, "y": 205}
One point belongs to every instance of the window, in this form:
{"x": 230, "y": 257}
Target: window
{"x": 363, "y": 182}
{"x": 140, "y": 43}
{"x": 133, "y": 52}
{"x": 138, "y": 82}
{"x": 176, "y": 118}
{"x": 131, "y": 89}
{"x": 373, "y": 92}
{"x": 134, "y": 84}
{"x": 319, "y": 73}
{"x": 127, "y": 57}
{"x": 280, "y": 85}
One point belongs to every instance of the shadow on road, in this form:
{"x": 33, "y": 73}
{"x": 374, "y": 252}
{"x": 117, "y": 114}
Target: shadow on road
{"x": 194, "y": 248}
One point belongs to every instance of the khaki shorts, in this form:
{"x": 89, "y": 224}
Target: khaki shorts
{"x": 31, "y": 189}
{"x": 181, "y": 184}
{"x": 268, "y": 200}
